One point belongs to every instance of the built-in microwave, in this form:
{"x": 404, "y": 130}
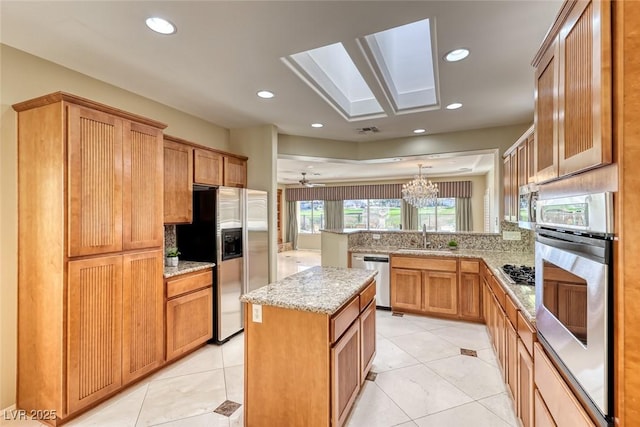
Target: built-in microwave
{"x": 527, "y": 200}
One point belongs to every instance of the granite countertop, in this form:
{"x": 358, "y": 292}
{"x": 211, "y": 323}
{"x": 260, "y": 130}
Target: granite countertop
{"x": 185, "y": 267}
{"x": 317, "y": 289}
{"x": 524, "y": 296}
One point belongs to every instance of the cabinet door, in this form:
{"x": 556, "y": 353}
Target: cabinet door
{"x": 515, "y": 172}
{"x": 95, "y": 182}
{"x": 440, "y": 292}
{"x": 178, "y": 183}
{"x": 585, "y": 88}
{"x": 189, "y": 321}
{"x": 511, "y": 354}
{"x": 499, "y": 326}
{"x": 406, "y": 289}
{"x": 470, "y": 298}
{"x": 531, "y": 169}
{"x": 507, "y": 188}
{"x": 94, "y": 329}
{"x": 142, "y": 314}
{"x": 546, "y": 116}
{"x": 345, "y": 374}
{"x": 524, "y": 402}
{"x": 207, "y": 167}
{"x": 142, "y": 197}
{"x": 542, "y": 416}
{"x": 367, "y": 339}
{"x": 235, "y": 172}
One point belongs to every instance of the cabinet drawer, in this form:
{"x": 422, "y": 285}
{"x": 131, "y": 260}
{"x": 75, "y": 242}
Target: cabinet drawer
{"x": 526, "y": 332}
{"x": 341, "y": 321}
{"x": 420, "y": 263}
{"x": 189, "y": 282}
{"x": 561, "y": 402}
{"x": 367, "y": 295}
{"x": 470, "y": 266}
{"x": 498, "y": 290}
{"x": 511, "y": 310}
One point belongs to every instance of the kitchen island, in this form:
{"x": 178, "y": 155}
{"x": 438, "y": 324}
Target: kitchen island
{"x": 309, "y": 344}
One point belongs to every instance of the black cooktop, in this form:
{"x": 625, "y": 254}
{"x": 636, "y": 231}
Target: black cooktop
{"x": 521, "y": 274}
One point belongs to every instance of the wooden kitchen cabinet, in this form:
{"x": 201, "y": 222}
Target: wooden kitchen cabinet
{"x": 367, "y": 339}
{"x": 142, "y": 314}
{"x": 207, "y": 167}
{"x": 440, "y": 292}
{"x": 518, "y": 171}
{"x": 470, "y": 291}
{"x": 345, "y": 374}
{"x": 406, "y": 289}
{"x": 90, "y": 188}
{"x": 235, "y": 172}
{"x": 511, "y": 358}
{"x": 189, "y": 309}
{"x": 525, "y": 386}
{"x": 178, "y": 182}
{"x": 94, "y": 146}
{"x": 94, "y": 325}
{"x": 508, "y": 188}
{"x": 573, "y": 92}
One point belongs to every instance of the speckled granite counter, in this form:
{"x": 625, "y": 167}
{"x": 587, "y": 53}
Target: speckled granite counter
{"x": 523, "y": 295}
{"x": 186, "y": 267}
{"x": 318, "y": 289}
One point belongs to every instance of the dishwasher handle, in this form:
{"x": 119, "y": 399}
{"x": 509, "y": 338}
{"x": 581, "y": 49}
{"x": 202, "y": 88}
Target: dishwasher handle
{"x": 376, "y": 259}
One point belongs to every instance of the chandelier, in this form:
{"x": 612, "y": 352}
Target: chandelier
{"x": 420, "y": 192}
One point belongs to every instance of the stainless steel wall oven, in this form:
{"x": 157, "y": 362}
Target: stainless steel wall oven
{"x": 574, "y": 294}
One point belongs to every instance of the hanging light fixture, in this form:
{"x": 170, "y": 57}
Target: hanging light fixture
{"x": 420, "y": 192}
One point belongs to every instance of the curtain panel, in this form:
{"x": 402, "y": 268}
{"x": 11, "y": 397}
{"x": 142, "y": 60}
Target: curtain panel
{"x": 333, "y": 214}
{"x": 409, "y": 219}
{"x": 464, "y": 219}
{"x": 292, "y": 224}
{"x": 446, "y": 189}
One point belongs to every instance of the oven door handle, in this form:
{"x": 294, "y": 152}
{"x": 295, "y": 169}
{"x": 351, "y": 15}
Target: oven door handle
{"x": 597, "y": 250}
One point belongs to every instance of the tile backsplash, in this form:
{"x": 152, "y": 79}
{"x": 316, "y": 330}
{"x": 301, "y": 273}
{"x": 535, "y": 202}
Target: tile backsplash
{"x": 478, "y": 241}
{"x": 169, "y": 236}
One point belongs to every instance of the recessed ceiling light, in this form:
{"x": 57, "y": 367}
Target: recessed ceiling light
{"x": 419, "y": 130}
{"x": 316, "y": 125}
{"x": 454, "y": 106}
{"x": 456, "y": 55}
{"x": 265, "y": 94}
{"x": 160, "y": 25}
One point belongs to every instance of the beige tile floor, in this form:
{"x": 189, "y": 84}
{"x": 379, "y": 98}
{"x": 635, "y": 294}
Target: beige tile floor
{"x": 422, "y": 379}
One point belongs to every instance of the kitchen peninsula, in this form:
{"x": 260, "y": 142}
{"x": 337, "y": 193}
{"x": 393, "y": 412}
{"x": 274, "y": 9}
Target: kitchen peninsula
{"x": 309, "y": 344}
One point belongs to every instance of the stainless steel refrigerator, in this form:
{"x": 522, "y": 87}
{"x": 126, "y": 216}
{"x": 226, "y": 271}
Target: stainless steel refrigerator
{"x": 230, "y": 228}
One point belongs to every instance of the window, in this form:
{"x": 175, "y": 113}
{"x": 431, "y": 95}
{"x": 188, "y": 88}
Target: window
{"x": 373, "y": 214}
{"x": 310, "y": 216}
{"x": 439, "y": 217}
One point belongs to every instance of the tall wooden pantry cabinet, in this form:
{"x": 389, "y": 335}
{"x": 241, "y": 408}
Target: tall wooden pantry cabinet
{"x": 90, "y": 236}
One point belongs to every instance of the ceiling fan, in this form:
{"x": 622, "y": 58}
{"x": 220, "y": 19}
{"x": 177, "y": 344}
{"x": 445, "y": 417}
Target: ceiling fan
{"x": 304, "y": 181}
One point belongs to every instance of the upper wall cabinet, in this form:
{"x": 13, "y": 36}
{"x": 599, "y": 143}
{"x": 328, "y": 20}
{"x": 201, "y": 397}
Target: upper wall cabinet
{"x": 207, "y": 167}
{"x": 573, "y": 92}
{"x": 178, "y": 182}
{"x": 235, "y": 172}
{"x": 518, "y": 171}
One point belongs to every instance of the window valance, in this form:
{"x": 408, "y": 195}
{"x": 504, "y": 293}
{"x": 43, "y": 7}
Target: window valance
{"x": 374, "y": 191}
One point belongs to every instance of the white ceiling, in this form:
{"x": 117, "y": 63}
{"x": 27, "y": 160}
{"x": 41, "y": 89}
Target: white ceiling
{"x": 225, "y": 51}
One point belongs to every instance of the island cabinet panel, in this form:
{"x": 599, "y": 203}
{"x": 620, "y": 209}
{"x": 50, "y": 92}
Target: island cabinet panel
{"x": 142, "y": 195}
{"x": 207, "y": 167}
{"x": 345, "y": 374}
{"x": 178, "y": 183}
{"x": 235, "y": 172}
{"x": 406, "y": 289}
{"x": 142, "y": 314}
{"x": 367, "y": 339}
{"x": 95, "y": 181}
{"x": 440, "y": 292}
{"x": 281, "y": 388}
{"x": 94, "y": 334}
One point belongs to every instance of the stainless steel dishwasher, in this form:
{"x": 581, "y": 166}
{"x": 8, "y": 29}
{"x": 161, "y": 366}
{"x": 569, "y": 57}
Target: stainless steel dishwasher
{"x": 376, "y": 262}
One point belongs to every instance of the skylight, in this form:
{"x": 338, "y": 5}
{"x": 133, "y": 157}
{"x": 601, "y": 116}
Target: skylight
{"x": 332, "y": 73}
{"x": 403, "y": 59}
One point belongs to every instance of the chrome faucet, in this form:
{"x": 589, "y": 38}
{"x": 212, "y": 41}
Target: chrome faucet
{"x": 424, "y": 236}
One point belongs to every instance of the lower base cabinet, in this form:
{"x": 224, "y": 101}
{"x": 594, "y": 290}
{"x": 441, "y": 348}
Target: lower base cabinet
{"x": 345, "y": 374}
{"x": 525, "y": 402}
{"x": 189, "y": 310}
